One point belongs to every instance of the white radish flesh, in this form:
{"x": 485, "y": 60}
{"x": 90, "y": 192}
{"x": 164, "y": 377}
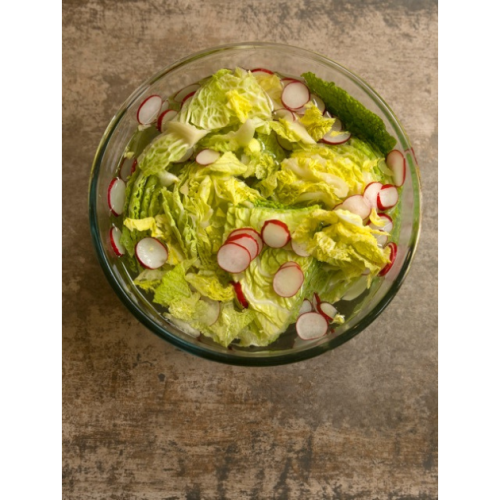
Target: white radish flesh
{"x": 114, "y": 235}
{"x": 396, "y": 161}
{"x": 213, "y": 311}
{"x": 164, "y": 118}
{"x": 318, "y": 102}
{"x": 127, "y": 168}
{"x": 334, "y": 137}
{"x": 233, "y": 258}
{"x": 207, "y": 157}
{"x": 165, "y": 105}
{"x": 392, "y": 257}
{"x": 151, "y": 253}
{"x": 275, "y": 233}
{"x": 116, "y": 196}
{"x": 286, "y": 81}
{"x": 371, "y": 193}
{"x": 382, "y": 239}
{"x": 311, "y": 326}
{"x": 247, "y": 241}
{"x": 299, "y": 249}
{"x": 387, "y": 197}
{"x": 305, "y": 307}
{"x": 251, "y": 232}
{"x": 286, "y": 114}
{"x": 186, "y": 91}
{"x": 288, "y": 280}
{"x": 357, "y": 205}
{"x": 149, "y": 109}
{"x": 337, "y": 124}
{"x": 328, "y": 310}
{"x": 295, "y": 95}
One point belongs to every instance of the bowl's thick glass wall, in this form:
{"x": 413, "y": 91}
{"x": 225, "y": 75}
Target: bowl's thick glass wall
{"x": 286, "y": 60}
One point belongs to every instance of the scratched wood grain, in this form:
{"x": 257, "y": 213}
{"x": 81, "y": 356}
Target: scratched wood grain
{"x": 142, "y": 420}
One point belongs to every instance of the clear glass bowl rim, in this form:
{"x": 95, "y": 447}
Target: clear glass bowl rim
{"x": 231, "y": 357}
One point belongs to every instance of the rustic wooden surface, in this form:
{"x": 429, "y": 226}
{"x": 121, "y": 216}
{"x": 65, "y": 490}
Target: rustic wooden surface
{"x": 143, "y": 420}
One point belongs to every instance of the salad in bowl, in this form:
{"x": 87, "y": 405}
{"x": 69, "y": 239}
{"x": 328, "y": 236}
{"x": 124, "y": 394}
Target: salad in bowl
{"x": 253, "y": 208}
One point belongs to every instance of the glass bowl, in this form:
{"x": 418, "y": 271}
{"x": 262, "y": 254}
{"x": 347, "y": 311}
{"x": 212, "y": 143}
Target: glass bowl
{"x": 285, "y": 60}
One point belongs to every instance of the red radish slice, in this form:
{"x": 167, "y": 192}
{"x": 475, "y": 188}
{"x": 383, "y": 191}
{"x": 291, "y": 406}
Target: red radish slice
{"x": 284, "y": 143}
{"x": 114, "y": 236}
{"x": 261, "y": 70}
{"x": 149, "y": 109}
{"x": 289, "y": 263}
{"x": 233, "y": 258}
{"x": 116, "y": 196}
{"x": 286, "y": 81}
{"x": 275, "y": 233}
{"x": 165, "y": 105}
{"x": 389, "y": 224}
{"x": 127, "y": 168}
{"x": 305, "y": 307}
{"x": 316, "y": 301}
{"x": 212, "y": 314}
{"x": 357, "y": 205}
{"x": 318, "y": 102}
{"x": 187, "y": 97}
{"x": 286, "y": 114}
{"x": 186, "y": 91}
{"x": 327, "y": 310}
{"x": 185, "y": 156}
{"x": 337, "y": 125}
{"x": 247, "y": 241}
{"x": 251, "y": 232}
{"x": 295, "y": 95}
{"x": 387, "y": 197}
{"x": 151, "y": 253}
{"x": 382, "y": 239}
{"x": 397, "y": 163}
{"x": 299, "y": 249}
{"x": 333, "y": 137}
{"x": 393, "y": 255}
{"x": 288, "y": 280}
{"x": 207, "y": 157}
{"x": 164, "y": 118}
{"x": 311, "y": 326}
{"x": 371, "y": 193}
{"x": 239, "y": 294}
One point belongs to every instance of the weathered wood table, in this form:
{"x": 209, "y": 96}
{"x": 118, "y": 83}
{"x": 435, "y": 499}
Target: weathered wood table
{"x": 143, "y": 420}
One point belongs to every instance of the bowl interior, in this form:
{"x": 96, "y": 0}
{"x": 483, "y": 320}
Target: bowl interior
{"x": 285, "y": 60}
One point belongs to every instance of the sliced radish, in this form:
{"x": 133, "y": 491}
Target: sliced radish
{"x": 371, "y": 193}
{"x": 357, "y": 205}
{"x": 275, "y": 233}
{"x": 233, "y": 258}
{"x": 337, "y": 124}
{"x": 185, "y": 156}
{"x": 311, "y": 326}
{"x": 164, "y": 105}
{"x": 251, "y": 232}
{"x": 212, "y": 314}
{"x": 116, "y": 196}
{"x": 207, "y": 157}
{"x": 239, "y": 294}
{"x": 290, "y": 263}
{"x": 185, "y": 92}
{"x": 261, "y": 71}
{"x": 387, "y": 197}
{"x": 286, "y": 114}
{"x": 327, "y": 310}
{"x": 397, "y": 163}
{"x": 316, "y": 301}
{"x": 305, "y": 307}
{"x": 288, "y": 280}
{"x": 127, "y": 168}
{"x": 392, "y": 256}
{"x": 334, "y": 137}
{"x": 246, "y": 241}
{"x": 149, "y": 109}
{"x": 357, "y": 289}
{"x": 295, "y": 95}
{"x": 299, "y": 249}
{"x": 284, "y": 143}
{"x": 114, "y": 236}
{"x": 319, "y": 103}
{"x": 382, "y": 239}
{"x": 164, "y": 118}
{"x": 388, "y": 225}
{"x": 151, "y": 253}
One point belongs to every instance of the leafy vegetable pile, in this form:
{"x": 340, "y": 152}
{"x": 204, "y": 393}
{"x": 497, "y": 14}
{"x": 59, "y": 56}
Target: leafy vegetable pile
{"x": 231, "y": 156}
